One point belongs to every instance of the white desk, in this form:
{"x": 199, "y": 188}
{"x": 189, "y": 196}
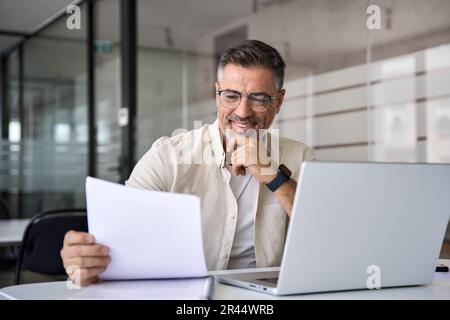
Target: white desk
{"x": 11, "y": 231}
{"x": 160, "y": 289}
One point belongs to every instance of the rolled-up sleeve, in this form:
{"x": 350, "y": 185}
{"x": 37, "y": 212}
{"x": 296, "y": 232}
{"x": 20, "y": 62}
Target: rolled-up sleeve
{"x": 154, "y": 169}
{"x": 309, "y": 154}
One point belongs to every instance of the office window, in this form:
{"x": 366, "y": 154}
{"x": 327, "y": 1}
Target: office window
{"x": 409, "y": 83}
{"x": 107, "y": 88}
{"x": 11, "y": 134}
{"x": 55, "y": 111}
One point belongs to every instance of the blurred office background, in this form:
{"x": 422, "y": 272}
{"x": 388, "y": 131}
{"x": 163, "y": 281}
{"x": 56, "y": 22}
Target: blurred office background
{"x": 352, "y": 93}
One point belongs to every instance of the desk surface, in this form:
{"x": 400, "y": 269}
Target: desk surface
{"x": 193, "y": 289}
{"x": 11, "y": 231}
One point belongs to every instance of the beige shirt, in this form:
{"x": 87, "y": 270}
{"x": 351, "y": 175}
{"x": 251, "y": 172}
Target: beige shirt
{"x": 245, "y": 190}
{"x": 194, "y": 163}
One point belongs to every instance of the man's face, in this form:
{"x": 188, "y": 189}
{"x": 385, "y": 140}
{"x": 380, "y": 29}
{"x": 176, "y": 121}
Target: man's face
{"x": 246, "y": 81}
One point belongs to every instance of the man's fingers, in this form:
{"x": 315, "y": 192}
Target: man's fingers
{"x": 93, "y": 250}
{"x": 88, "y": 282}
{"x": 235, "y": 169}
{"x": 76, "y": 237}
{"x": 82, "y": 275}
{"x": 237, "y": 164}
{"x": 85, "y": 277}
{"x": 242, "y": 157}
{"x": 239, "y": 139}
{"x": 88, "y": 262}
{"x": 230, "y": 144}
{"x": 89, "y": 273}
{"x": 238, "y": 169}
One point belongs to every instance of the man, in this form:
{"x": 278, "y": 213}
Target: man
{"x": 246, "y": 199}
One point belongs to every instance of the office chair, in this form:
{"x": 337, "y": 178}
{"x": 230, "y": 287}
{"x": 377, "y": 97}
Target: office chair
{"x": 4, "y": 210}
{"x": 43, "y": 240}
{"x": 7, "y": 254}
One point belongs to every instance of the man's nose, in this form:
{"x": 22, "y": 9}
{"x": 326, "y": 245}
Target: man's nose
{"x": 244, "y": 109}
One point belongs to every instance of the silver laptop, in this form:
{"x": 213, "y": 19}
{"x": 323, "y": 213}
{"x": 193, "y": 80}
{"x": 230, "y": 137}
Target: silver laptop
{"x": 360, "y": 225}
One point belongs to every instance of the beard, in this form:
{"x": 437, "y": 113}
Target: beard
{"x": 241, "y": 125}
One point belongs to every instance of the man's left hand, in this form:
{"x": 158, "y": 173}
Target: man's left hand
{"x": 251, "y": 153}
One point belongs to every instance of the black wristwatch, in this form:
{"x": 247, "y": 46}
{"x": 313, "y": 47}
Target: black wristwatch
{"x": 283, "y": 175}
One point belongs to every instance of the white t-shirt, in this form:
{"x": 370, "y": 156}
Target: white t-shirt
{"x": 245, "y": 190}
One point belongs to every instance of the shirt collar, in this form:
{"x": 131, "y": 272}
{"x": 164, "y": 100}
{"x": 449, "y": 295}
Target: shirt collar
{"x": 216, "y": 143}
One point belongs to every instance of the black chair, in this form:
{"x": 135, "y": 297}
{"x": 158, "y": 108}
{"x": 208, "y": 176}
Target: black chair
{"x": 4, "y": 210}
{"x": 7, "y": 254}
{"x": 43, "y": 240}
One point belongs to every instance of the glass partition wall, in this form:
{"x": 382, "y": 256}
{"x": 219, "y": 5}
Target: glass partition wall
{"x": 10, "y": 166}
{"x": 107, "y": 88}
{"x": 54, "y": 127}
{"x": 46, "y": 145}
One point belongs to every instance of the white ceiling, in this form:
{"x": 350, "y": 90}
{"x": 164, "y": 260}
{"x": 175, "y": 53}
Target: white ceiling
{"x": 26, "y": 16}
{"x": 8, "y": 42}
{"x": 318, "y": 32}
{"x": 188, "y": 20}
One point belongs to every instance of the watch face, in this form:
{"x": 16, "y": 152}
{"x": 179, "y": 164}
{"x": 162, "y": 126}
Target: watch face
{"x": 285, "y": 170}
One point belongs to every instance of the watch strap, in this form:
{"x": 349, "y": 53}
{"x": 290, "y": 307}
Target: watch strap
{"x": 283, "y": 175}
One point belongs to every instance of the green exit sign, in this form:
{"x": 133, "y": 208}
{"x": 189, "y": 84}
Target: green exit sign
{"x": 103, "y": 46}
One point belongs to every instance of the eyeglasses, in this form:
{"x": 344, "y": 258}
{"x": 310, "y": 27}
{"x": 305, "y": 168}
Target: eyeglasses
{"x": 259, "y": 102}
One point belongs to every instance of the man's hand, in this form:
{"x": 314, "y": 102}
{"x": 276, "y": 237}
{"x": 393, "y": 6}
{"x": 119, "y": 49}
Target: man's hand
{"x": 83, "y": 259}
{"x": 252, "y": 155}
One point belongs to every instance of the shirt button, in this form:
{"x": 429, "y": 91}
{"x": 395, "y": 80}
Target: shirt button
{"x": 233, "y": 216}
{"x": 225, "y": 256}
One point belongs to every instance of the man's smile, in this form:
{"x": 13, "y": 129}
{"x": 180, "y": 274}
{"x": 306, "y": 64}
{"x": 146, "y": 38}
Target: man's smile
{"x": 239, "y": 126}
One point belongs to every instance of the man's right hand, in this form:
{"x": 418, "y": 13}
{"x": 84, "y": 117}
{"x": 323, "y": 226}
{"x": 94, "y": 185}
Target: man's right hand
{"x": 83, "y": 259}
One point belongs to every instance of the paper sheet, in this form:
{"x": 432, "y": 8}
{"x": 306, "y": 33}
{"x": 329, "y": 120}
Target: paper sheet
{"x": 151, "y": 235}
{"x": 168, "y": 289}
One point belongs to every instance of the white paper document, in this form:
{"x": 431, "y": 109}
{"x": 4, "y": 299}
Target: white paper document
{"x": 150, "y": 234}
{"x": 167, "y": 289}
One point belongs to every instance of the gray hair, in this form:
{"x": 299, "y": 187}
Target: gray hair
{"x": 250, "y": 53}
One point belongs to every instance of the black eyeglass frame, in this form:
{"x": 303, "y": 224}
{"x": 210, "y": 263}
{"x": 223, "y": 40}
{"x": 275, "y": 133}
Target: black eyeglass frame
{"x": 271, "y": 98}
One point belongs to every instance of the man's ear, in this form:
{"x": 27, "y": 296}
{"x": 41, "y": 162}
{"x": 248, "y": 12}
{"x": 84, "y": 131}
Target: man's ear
{"x": 280, "y": 100}
{"x": 215, "y": 93}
